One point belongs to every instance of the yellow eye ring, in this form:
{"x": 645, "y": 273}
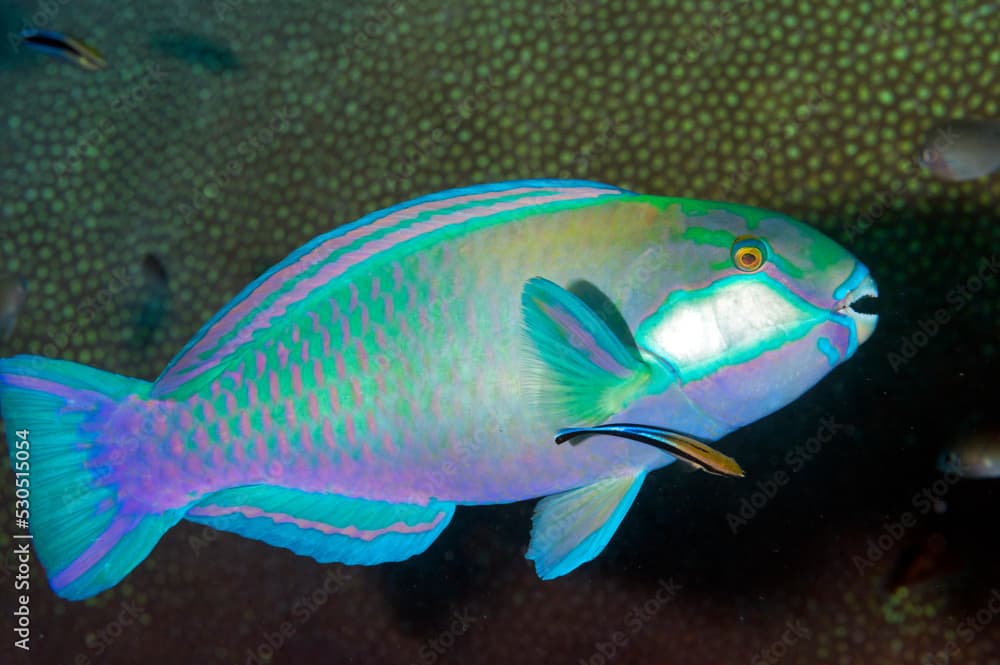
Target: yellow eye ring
{"x": 749, "y": 254}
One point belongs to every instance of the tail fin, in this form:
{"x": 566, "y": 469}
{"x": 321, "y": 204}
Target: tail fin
{"x": 87, "y": 536}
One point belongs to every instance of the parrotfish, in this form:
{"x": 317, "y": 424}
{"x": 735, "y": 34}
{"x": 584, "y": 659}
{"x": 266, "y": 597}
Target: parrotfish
{"x": 427, "y": 356}
{"x": 64, "y": 47}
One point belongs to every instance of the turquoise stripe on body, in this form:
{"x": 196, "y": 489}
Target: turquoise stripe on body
{"x": 827, "y": 348}
{"x": 331, "y": 255}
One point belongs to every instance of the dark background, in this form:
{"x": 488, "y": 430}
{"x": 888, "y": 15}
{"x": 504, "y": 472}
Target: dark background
{"x": 331, "y": 110}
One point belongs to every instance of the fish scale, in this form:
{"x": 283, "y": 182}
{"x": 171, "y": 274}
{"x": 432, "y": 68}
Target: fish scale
{"x": 451, "y": 283}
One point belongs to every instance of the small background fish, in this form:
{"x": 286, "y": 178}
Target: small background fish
{"x": 63, "y": 47}
{"x": 814, "y": 109}
{"x": 924, "y": 558}
{"x": 962, "y": 149}
{"x": 152, "y": 301}
{"x": 195, "y": 50}
{"x": 13, "y": 291}
{"x": 973, "y": 455}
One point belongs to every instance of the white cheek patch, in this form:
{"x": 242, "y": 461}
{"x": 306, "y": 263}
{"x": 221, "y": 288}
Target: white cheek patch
{"x": 732, "y": 321}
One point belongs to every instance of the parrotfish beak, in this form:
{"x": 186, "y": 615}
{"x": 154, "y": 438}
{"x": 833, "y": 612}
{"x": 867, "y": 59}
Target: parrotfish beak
{"x": 864, "y": 322}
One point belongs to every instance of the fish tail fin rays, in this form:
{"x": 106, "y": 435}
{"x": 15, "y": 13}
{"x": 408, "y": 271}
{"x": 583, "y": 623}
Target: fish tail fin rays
{"x": 327, "y": 527}
{"x": 571, "y": 528}
{"x": 55, "y": 412}
{"x": 579, "y": 368}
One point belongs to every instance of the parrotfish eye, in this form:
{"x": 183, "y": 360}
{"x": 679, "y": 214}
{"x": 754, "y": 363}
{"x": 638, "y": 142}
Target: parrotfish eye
{"x": 749, "y": 254}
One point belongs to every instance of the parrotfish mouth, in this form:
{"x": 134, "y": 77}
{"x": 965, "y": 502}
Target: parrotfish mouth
{"x": 861, "y": 291}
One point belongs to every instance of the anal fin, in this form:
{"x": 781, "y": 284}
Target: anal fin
{"x": 326, "y": 527}
{"x": 571, "y": 528}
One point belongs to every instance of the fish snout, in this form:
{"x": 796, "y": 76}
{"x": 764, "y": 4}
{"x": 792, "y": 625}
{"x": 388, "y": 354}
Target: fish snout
{"x": 863, "y": 293}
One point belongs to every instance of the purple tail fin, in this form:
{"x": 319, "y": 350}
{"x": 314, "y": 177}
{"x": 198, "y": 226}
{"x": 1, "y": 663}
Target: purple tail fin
{"x": 87, "y": 535}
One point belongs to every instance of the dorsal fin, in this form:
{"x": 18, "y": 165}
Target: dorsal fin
{"x": 330, "y": 255}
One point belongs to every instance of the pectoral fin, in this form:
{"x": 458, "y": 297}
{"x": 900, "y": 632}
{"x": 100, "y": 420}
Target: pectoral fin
{"x": 584, "y": 373}
{"x": 572, "y": 528}
{"x": 694, "y": 452}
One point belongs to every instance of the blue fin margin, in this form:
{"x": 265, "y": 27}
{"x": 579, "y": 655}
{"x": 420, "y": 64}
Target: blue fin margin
{"x": 326, "y": 527}
{"x": 571, "y": 528}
